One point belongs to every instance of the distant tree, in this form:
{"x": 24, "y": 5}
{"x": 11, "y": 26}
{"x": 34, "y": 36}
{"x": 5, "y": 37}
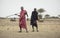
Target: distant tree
{"x": 59, "y": 16}
{"x": 54, "y": 17}
{"x": 41, "y": 10}
{"x": 47, "y": 16}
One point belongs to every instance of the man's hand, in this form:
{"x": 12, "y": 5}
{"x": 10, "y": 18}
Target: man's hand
{"x": 27, "y": 18}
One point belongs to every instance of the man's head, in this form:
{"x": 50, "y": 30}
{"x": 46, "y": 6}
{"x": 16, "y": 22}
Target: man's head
{"x": 34, "y": 9}
{"x": 22, "y": 8}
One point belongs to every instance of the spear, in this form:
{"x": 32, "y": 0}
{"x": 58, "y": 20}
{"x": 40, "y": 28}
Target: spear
{"x": 12, "y": 15}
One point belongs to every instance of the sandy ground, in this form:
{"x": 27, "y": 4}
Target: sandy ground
{"x": 47, "y": 29}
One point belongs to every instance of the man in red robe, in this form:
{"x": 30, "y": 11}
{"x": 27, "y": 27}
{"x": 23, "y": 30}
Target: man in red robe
{"x": 22, "y": 19}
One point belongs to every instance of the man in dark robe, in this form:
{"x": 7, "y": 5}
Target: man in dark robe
{"x": 34, "y": 18}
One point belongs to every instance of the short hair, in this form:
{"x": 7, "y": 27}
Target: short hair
{"x": 34, "y": 8}
{"x": 21, "y": 6}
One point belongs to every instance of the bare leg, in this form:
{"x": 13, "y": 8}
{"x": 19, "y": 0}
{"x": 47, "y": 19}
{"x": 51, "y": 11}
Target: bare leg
{"x": 26, "y": 30}
{"x": 20, "y": 29}
{"x": 32, "y": 28}
{"x": 37, "y": 28}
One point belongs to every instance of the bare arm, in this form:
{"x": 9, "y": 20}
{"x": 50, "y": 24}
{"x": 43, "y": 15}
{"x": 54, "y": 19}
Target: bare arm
{"x": 26, "y": 14}
{"x": 17, "y": 14}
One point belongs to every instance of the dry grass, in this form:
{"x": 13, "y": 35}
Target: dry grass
{"x": 47, "y": 29}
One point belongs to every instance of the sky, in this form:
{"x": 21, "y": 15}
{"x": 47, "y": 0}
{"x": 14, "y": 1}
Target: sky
{"x": 10, "y": 7}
